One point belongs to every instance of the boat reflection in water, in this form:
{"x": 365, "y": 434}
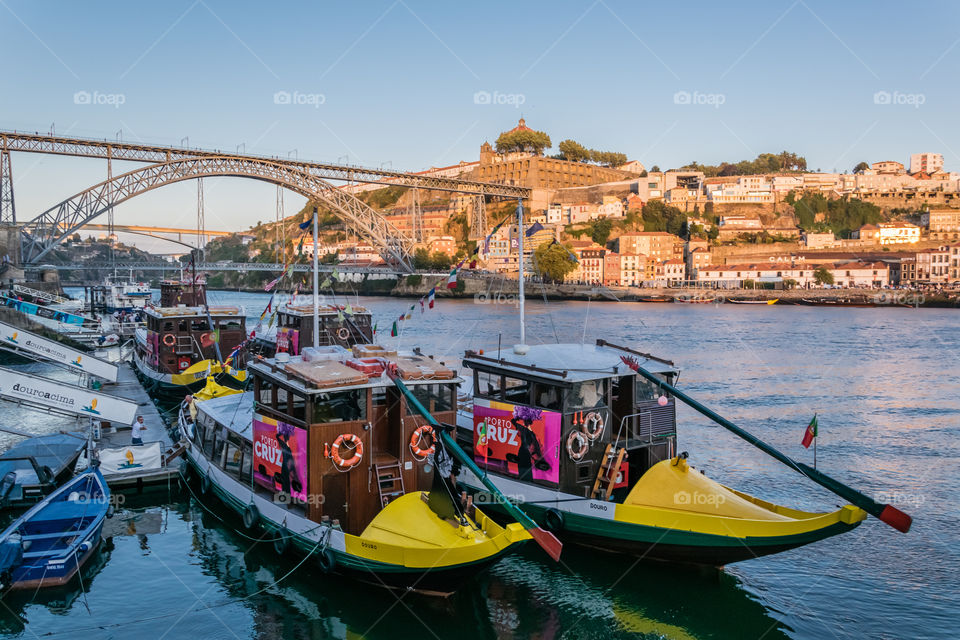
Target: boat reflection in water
{"x": 524, "y": 596}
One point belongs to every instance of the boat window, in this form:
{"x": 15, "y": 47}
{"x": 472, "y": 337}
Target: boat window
{"x": 246, "y": 463}
{"x": 297, "y": 407}
{"x": 281, "y": 402}
{"x": 489, "y": 385}
{"x": 231, "y": 456}
{"x": 547, "y": 396}
{"x": 208, "y": 441}
{"x": 199, "y": 325}
{"x": 265, "y": 392}
{"x": 340, "y": 407}
{"x": 229, "y": 324}
{"x": 646, "y": 390}
{"x": 379, "y": 396}
{"x": 218, "y": 443}
{"x": 434, "y": 397}
{"x": 516, "y": 390}
{"x": 168, "y": 326}
{"x": 587, "y": 395}
{"x": 182, "y": 326}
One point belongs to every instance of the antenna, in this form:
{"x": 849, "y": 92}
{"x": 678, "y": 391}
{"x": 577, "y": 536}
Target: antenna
{"x": 521, "y": 348}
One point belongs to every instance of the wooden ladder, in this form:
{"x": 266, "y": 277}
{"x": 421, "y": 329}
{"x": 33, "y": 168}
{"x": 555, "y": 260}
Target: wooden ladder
{"x": 173, "y": 451}
{"x": 609, "y": 468}
{"x": 389, "y": 482}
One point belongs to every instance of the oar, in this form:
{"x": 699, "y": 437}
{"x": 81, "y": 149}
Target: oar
{"x": 545, "y": 539}
{"x": 885, "y": 512}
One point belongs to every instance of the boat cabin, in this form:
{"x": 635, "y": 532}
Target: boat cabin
{"x": 295, "y": 328}
{"x": 183, "y": 292}
{"x": 177, "y": 337}
{"x": 560, "y": 414}
{"x": 329, "y": 438}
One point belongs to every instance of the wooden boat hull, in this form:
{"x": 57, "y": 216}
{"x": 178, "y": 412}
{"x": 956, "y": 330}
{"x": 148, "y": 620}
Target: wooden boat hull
{"x": 431, "y": 571}
{"x": 192, "y": 379}
{"x": 664, "y": 534}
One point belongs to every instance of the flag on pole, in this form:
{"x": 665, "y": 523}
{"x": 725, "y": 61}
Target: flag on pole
{"x": 810, "y": 433}
{"x": 452, "y": 279}
{"x": 532, "y": 229}
{"x": 431, "y": 297}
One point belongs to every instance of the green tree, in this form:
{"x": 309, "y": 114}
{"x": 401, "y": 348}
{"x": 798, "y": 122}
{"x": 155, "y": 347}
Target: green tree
{"x": 600, "y": 230}
{"x": 861, "y": 167}
{"x": 421, "y": 259}
{"x": 823, "y": 276}
{"x": 655, "y": 168}
{"x": 552, "y": 262}
{"x": 573, "y": 151}
{"x": 608, "y": 158}
{"x": 528, "y": 141}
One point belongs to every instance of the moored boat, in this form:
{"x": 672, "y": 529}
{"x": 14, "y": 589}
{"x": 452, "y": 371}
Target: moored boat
{"x": 330, "y": 423}
{"x": 180, "y": 346}
{"x": 49, "y": 544}
{"x": 338, "y": 325}
{"x": 35, "y": 467}
{"x": 588, "y": 448}
{"x": 768, "y": 302}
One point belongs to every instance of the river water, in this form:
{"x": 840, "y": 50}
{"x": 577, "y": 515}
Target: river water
{"x": 882, "y": 380}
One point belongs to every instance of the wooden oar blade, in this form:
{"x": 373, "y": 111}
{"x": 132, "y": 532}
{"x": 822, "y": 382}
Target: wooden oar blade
{"x": 896, "y": 518}
{"x": 548, "y": 542}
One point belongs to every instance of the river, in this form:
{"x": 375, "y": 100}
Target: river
{"x": 883, "y": 382}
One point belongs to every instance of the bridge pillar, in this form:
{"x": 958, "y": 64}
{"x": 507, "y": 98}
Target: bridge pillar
{"x": 8, "y": 211}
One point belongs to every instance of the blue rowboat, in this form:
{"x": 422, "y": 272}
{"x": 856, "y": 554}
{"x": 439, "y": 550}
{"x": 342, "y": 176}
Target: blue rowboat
{"x": 47, "y": 546}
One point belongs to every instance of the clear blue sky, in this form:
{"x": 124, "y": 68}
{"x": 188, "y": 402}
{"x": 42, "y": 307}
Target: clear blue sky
{"x": 398, "y": 83}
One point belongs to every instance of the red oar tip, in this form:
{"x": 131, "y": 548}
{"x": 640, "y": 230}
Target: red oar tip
{"x": 548, "y": 542}
{"x": 896, "y": 518}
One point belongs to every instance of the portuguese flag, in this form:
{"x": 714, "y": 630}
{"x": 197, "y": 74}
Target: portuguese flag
{"x": 810, "y": 433}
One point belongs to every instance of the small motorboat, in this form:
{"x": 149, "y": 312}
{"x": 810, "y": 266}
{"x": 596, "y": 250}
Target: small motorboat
{"x": 33, "y": 468}
{"x": 47, "y": 546}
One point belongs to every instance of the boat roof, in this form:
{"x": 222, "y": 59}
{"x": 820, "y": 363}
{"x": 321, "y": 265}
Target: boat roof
{"x": 565, "y": 362}
{"x": 183, "y": 311}
{"x": 325, "y": 310}
{"x": 54, "y": 450}
{"x": 235, "y": 412}
{"x": 413, "y": 368}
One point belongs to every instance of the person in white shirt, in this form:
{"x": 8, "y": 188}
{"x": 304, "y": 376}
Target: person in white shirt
{"x": 139, "y": 428}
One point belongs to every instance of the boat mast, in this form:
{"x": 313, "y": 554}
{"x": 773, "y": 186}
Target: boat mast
{"x": 521, "y": 348}
{"x": 316, "y": 285}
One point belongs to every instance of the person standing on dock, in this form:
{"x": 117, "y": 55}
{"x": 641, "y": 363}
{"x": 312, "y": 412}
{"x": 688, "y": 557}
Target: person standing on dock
{"x": 139, "y": 428}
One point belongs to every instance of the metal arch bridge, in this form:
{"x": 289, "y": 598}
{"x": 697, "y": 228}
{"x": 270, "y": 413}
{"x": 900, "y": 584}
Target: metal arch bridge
{"x": 42, "y": 233}
{"x": 306, "y": 177}
{"x": 92, "y": 148}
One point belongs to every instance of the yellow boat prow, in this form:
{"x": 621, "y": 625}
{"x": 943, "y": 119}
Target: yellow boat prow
{"x": 673, "y": 484}
{"x": 409, "y": 533}
{"x": 214, "y": 390}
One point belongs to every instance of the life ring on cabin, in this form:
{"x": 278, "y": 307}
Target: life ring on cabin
{"x": 282, "y": 541}
{"x": 251, "y": 516}
{"x": 328, "y": 561}
{"x": 592, "y": 426}
{"x": 417, "y": 438}
{"x": 577, "y": 445}
{"x": 348, "y": 439}
{"x": 553, "y": 520}
{"x": 169, "y": 340}
{"x": 343, "y": 333}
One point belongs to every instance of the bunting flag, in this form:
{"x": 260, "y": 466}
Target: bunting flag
{"x": 348, "y": 309}
{"x": 536, "y": 226}
{"x": 306, "y": 224}
{"x": 300, "y": 246}
{"x": 394, "y": 330}
{"x": 422, "y": 307}
{"x": 374, "y": 328}
{"x": 339, "y": 315}
{"x": 326, "y": 283}
{"x": 452, "y": 279}
{"x": 431, "y": 297}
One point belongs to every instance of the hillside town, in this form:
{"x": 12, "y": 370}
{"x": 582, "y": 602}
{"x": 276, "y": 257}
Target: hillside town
{"x": 884, "y": 224}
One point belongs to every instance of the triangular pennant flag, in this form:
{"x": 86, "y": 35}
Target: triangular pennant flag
{"x": 422, "y": 308}
{"x": 326, "y": 283}
{"x": 394, "y": 330}
{"x": 348, "y": 310}
{"x": 536, "y": 226}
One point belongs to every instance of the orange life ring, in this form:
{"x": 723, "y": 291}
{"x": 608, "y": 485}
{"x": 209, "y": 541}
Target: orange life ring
{"x": 576, "y": 436}
{"x": 172, "y": 340}
{"x": 592, "y": 426}
{"x": 419, "y": 452}
{"x": 349, "y": 439}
